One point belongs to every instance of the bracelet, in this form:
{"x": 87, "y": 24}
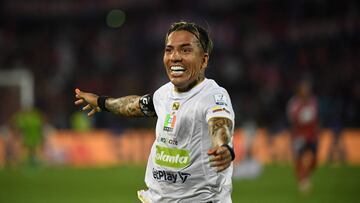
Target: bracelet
{"x": 101, "y": 102}
{"x": 231, "y": 150}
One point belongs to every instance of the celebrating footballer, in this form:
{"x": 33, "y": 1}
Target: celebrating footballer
{"x": 191, "y": 157}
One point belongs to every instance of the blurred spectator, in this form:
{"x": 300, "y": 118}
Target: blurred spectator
{"x": 80, "y": 122}
{"x": 303, "y": 115}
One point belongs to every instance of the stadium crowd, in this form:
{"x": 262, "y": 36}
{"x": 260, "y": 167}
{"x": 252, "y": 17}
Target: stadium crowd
{"x": 261, "y": 50}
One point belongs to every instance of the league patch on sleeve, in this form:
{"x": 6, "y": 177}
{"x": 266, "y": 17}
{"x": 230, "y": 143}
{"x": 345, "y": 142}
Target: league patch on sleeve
{"x": 220, "y": 99}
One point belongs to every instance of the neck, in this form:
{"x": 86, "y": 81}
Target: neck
{"x": 191, "y": 85}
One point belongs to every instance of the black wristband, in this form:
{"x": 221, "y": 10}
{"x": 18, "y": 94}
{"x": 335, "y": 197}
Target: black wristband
{"x": 231, "y": 150}
{"x": 101, "y": 102}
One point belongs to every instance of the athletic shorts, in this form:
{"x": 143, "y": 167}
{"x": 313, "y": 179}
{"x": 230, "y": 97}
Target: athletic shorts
{"x": 300, "y": 146}
{"x": 144, "y": 197}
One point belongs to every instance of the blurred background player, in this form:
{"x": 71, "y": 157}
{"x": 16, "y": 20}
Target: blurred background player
{"x": 29, "y": 125}
{"x": 302, "y": 112}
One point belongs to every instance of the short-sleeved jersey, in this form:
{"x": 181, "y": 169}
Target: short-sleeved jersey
{"x": 178, "y": 168}
{"x": 303, "y": 115}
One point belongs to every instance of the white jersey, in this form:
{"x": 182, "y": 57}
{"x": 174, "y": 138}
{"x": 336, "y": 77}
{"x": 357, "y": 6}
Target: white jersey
{"x": 178, "y": 168}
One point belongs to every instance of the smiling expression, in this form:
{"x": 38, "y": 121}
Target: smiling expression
{"x": 184, "y": 60}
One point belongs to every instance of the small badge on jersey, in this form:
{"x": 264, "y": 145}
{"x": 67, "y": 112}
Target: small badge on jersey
{"x": 220, "y": 99}
{"x": 175, "y": 106}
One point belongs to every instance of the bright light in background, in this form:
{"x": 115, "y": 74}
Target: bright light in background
{"x": 115, "y": 18}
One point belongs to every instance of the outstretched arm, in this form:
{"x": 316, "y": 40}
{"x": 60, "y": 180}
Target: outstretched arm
{"x": 128, "y": 106}
{"x": 220, "y": 131}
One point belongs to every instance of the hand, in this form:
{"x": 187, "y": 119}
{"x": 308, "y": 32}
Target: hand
{"x": 221, "y": 158}
{"x": 87, "y": 99}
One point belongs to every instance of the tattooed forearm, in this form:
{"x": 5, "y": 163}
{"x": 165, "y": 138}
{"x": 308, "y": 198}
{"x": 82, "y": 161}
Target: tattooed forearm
{"x": 125, "y": 106}
{"x": 220, "y": 130}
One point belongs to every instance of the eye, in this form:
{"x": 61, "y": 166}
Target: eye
{"x": 186, "y": 50}
{"x": 168, "y": 50}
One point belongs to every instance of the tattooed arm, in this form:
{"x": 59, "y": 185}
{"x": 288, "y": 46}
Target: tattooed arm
{"x": 220, "y": 131}
{"x": 128, "y": 106}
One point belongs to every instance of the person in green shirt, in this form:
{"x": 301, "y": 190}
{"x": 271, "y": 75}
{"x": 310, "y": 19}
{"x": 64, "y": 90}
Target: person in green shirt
{"x": 29, "y": 125}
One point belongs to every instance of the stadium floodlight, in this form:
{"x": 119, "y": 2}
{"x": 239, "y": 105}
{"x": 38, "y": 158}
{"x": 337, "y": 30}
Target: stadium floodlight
{"x": 23, "y": 79}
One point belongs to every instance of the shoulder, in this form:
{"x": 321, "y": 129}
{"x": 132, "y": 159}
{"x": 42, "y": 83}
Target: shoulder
{"x": 293, "y": 100}
{"x": 162, "y": 90}
{"x": 212, "y": 86}
{"x": 215, "y": 92}
{"x": 314, "y": 99}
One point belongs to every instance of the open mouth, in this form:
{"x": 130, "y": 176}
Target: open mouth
{"x": 177, "y": 70}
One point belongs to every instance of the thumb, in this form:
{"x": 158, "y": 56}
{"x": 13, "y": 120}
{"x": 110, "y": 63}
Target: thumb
{"x": 212, "y": 151}
{"x": 77, "y": 91}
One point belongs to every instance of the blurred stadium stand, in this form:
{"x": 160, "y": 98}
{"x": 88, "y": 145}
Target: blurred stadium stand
{"x": 261, "y": 50}
{"x": 103, "y": 148}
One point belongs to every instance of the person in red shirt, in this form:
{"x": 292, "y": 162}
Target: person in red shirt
{"x": 303, "y": 115}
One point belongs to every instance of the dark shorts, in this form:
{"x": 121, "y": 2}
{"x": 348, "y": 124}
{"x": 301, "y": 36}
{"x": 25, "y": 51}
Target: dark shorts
{"x": 300, "y": 146}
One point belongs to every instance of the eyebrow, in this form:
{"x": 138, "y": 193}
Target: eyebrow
{"x": 181, "y": 45}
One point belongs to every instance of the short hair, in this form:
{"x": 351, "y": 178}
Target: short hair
{"x": 200, "y": 33}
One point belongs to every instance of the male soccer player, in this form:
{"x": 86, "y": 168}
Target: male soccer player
{"x": 190, "y": 160}
{"x": 303, "y": 115}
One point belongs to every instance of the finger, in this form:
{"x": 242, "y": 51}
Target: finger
{"x": 220, "y": 157}
{"x": 79, "y": 96}
{"x": 220, "y": 163}
{"x": 222, "y": 168}
{"x": 211, "y": 151}
{"x": 220, "y": 153}
{"x": 79, "y": 101}
{"x": 92, "y": 112}
{"x": 216, "y": 158}
{"x": 221, "y": 150}
{"x": 87, "y": 107}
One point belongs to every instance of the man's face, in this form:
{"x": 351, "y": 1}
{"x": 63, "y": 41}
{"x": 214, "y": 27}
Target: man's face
{"x": 184, "y": 60}
{"x": 304, "y": 89}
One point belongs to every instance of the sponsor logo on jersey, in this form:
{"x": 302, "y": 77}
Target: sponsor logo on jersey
{"x": 219, "y": 109}
{"x": 175, "y": 106}
{"x": 172, "y": 157}
{"x": 170, "y": 176}
{"x": 169, "y": 122}
{"x": 220, "y": 99}
{"x": 167, "y": 140}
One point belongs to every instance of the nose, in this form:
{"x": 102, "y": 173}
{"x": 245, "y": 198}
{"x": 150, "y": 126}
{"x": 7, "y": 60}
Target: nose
{"x": 175, "y": 56}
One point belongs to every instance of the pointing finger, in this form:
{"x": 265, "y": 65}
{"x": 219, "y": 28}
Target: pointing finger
{"x": 87, "y": 107}
{"x": 92, "y": 112}
{"x": 80, "y": 101}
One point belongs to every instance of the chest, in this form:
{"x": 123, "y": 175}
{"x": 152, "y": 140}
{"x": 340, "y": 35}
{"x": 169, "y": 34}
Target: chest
{"x": 178, "y": 121}
{"x": 305, "y": 112}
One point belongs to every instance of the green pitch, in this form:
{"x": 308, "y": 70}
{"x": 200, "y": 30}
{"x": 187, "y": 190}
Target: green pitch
{"x": 276, "y": 184}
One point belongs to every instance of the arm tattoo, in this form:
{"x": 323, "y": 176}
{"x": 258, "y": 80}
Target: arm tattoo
{"x": 220, "y": 130}
{"x": 127, "y": 106}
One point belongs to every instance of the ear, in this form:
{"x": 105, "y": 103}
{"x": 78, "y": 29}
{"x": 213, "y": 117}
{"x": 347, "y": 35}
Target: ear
{"x": 205, "y": 61}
